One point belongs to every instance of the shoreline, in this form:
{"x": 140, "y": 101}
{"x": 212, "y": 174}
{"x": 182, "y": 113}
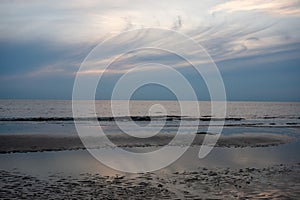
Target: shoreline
{"x": 41, "y": 143}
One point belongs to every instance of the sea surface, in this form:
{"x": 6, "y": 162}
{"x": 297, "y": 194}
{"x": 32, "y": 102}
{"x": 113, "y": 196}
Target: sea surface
{"x": 55, "y": 117}
{"x": 48, "y": 109}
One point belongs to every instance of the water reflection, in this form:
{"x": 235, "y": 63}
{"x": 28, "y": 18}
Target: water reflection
{"x": 77, "y": 162}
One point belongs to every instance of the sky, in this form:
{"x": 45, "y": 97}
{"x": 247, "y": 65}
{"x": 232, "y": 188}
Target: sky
{"x": 255, "y": 44}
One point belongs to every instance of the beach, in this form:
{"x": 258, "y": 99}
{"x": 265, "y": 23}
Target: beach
{"x": 277, "y": 182}
{"x": 43, "y": 157}
{"x": 150, "y": 100}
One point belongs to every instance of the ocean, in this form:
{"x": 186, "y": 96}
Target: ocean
{"x": 55, "y": 116}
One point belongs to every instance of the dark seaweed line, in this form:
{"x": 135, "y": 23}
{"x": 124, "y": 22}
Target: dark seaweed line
{"x": 133, "y": 118}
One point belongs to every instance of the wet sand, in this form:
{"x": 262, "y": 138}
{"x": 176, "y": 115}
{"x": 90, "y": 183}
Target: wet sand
{"x": 38, "y": 143}
{"x": 273, "y": 182}
{"x": 277, "y": 182}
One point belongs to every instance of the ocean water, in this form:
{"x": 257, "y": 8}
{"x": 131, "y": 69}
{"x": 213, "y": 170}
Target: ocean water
{"x": 10, "y": 109}
{"x": 55, "y": 117}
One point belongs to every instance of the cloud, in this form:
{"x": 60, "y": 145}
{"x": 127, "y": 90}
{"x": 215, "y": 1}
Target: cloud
{"x": 58, "y": 35}
{"x": 48, "y": 40}
{"x": 276, "y": 7}
{"x": 177, "y": 23}
{"x": 39, "y": 58}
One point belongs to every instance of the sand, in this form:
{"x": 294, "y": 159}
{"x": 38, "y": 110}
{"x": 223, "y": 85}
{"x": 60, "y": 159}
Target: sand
{"x": 277, "y": 182}
{"x": 37, "y": 143}
{"x": 274, "y": 182}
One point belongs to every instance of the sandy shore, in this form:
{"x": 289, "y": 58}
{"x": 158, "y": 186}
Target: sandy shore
{"x": 273, "y": 182}
{"x": 277, "y": 182}
{"x": 34, "y": 143}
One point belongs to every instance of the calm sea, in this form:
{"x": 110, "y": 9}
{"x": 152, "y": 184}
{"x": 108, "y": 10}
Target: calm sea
{"x": 55, "y": 117}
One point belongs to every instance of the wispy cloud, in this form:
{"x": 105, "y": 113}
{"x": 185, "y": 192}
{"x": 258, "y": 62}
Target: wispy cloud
{"x": 278, "y": 7}
{"x": 64, "y": 33}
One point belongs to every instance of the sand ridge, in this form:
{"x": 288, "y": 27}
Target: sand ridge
{"x": 38, "y": 143}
